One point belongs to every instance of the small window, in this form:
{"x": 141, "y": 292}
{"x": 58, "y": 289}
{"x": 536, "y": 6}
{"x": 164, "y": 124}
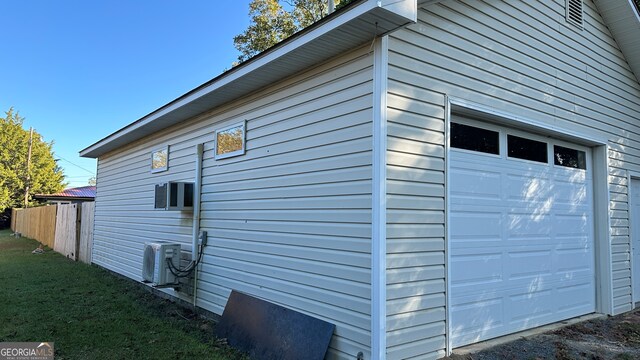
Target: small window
{"x": 160, "y": 160}
{"x": 475, "y": 139}
{"x": 526, "y": 149}
{"x": 230, "y": 141}
{"x": 567, "y": 157}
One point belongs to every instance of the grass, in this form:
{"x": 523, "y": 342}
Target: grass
{"x": 91, "y": 314}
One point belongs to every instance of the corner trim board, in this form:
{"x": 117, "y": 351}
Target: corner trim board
{"x": 447, "y": 273}
{"x": 632, "y": 175}
{"x": 379, "y": 202}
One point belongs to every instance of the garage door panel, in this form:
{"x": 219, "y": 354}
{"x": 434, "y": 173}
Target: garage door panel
{"x": 530, "y": 224}
{"x": 476, "y": 269}
{"x": 528, "y": 189}
{"x": 478, "y": 317}
{"x": 479, "y": 225}
{"x": 526, "y": 264}
{"x": 567, "y": 224}
{"x": 476, "y": 185}
{"x": 521, "y": 245}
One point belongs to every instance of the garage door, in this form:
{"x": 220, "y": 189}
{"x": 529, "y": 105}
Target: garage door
{"x": 521, "y": 231}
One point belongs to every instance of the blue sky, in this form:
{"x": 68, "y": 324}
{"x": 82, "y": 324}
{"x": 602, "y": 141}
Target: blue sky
{"x": 79, "y": 70}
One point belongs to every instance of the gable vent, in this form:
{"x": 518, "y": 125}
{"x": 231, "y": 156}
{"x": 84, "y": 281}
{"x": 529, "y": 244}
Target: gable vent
{"x": 575, "y": 12}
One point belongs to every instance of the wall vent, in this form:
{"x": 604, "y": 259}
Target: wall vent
{"x": 575, "y": 12}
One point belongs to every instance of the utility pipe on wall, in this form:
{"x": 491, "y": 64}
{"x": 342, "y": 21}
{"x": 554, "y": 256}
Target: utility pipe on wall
{"x": 197, "y": 186}
{"x": 332, "y": 6}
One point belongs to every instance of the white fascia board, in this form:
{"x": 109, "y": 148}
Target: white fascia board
{"x": 403, "y": 10}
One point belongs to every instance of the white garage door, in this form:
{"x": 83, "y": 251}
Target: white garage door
{"x": 521, "y": 231}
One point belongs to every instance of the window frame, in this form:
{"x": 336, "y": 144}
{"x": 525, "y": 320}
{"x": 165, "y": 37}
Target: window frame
{"x": 241, "y": 151}
{"x": 166, "y": 165}
{"x": 480, "y": 127}
{"x": 530, "y": 138}
{"x": 570, "y": 147}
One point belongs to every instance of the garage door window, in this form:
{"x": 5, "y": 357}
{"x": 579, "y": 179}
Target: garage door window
{"x": 568, "y": 157}
{"x": 475, "y": 139}
{"x": 526, "y": 149}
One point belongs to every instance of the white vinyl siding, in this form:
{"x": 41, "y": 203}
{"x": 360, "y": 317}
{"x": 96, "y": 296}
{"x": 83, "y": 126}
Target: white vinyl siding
{"x": 289, "y": 221}
{"x": 415, "y": 221}
{"x": 518, "y": 57}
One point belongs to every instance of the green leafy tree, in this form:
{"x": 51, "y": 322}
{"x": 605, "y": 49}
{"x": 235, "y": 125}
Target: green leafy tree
{"x": 44, "y": 177}
{"x": 271, "y": 23}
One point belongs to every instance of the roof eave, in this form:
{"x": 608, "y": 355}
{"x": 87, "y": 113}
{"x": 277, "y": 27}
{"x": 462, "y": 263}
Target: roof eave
{"x": 341, "y": 31}
{"x": 623, "y": 19}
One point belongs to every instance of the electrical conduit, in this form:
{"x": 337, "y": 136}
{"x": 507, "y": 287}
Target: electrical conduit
{"x": 197, "y": 186}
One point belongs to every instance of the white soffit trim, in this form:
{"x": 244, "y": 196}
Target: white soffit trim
{"x": 379, "y": 207}
{"x": 339, "y": 32}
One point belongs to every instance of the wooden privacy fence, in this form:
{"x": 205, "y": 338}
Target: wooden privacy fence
{"x": 68, "y": 229}
{"x": 37, "y": 223}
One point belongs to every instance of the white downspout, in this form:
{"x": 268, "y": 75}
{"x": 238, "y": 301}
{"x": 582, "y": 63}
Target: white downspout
{"x": 197, "y": 186}
{"x": 332, "y": 6}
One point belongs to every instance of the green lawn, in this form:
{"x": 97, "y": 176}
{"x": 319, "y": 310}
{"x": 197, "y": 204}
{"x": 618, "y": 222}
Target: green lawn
{"x": 91, "y": 314}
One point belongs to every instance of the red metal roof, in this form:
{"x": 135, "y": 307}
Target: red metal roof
{"x": 78, "y": 192}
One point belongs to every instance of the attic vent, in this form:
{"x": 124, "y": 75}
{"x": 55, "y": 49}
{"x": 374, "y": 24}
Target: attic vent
{"x": 574, "y": 12}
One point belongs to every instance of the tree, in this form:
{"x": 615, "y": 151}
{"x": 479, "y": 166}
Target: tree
{"x": 44, "y": 177}
{"x": 271, "y": 23}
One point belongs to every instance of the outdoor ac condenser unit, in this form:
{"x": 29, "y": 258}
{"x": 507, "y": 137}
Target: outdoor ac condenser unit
{"x": 154, "y": 263}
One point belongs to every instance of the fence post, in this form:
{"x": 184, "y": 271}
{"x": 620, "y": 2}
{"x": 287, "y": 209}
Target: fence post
{"x": 78, "y": 230}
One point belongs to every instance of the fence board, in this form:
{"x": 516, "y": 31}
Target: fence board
{"x": 37, "y": 223}
{"x": 13, "y": 219}
{"x": 86, "y": 232}
{"x": 65, "y": 234}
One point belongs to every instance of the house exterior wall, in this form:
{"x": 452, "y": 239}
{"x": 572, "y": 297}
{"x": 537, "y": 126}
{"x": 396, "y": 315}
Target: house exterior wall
{"x": 289, "y": 221}
{"x": 517, "y": 57}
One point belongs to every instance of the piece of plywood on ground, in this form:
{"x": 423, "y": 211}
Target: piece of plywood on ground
{"x": 66, "y": 237}
{"x": 86, "y": 232}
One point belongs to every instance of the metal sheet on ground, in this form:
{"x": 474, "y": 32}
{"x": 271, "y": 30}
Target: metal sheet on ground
{"x": 268, "y": 331}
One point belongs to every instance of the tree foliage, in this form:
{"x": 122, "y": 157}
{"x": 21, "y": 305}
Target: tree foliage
{"x": 271, "y": 23}
{"x": 44, "y": 177}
